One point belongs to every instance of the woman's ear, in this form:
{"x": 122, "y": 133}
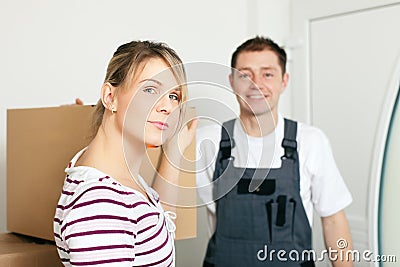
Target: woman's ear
{"x": 108, "y": 97}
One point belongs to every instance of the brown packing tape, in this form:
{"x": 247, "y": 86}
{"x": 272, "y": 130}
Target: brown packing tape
{"x": 17, "y": 251}
{"x": 40, "y": 142}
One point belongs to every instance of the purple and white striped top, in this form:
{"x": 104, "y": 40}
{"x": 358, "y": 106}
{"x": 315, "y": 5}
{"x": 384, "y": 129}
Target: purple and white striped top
{"x": 99, "y": 222}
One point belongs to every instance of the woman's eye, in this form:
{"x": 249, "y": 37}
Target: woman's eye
{"x": 174, "y": 97}
{"x": 150, "y": 90}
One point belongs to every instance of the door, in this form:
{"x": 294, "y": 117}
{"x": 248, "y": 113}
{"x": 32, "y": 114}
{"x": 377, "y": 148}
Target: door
{"x": 350, "y": 56}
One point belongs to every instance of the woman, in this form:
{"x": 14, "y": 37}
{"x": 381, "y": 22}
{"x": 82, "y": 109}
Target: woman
{"x": 107, "y": 215}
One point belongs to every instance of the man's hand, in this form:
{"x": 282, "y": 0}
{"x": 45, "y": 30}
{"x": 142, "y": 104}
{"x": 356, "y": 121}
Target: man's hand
{"x": 78, "y": 101}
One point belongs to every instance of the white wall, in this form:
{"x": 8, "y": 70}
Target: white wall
{"x": 53, "y": 51}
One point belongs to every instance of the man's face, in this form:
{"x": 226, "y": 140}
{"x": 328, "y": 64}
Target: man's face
{"x": 259, "y": 82}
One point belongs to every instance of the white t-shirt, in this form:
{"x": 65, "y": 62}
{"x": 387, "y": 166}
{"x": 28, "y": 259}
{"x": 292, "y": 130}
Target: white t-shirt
{"x": 321, "y": 184}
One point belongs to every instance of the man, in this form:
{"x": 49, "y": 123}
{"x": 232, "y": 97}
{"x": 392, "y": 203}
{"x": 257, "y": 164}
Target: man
{"x": 269, "y": 173}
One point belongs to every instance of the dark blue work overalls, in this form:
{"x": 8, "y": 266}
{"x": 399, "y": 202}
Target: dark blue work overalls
{"x": 252, "y": 227}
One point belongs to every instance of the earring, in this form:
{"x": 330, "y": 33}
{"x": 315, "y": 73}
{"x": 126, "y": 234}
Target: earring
{"x": 112, "y": 108}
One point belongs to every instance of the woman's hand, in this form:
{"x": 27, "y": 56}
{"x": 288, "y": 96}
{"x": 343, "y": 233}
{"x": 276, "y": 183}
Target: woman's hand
{"x": 177, "y": 144}
{"x": 166, "y": 182}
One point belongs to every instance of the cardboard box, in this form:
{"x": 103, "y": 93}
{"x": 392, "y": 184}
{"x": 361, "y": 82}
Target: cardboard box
{"x": 20, "y": 251}
{"x": 40, "y": 143}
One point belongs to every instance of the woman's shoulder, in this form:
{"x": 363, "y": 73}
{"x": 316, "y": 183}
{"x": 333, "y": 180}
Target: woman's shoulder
{"x": 99, "y": 188}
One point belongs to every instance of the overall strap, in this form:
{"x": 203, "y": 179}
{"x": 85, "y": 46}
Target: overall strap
{"x": 289, "y": 142}
{"x": 227, "y": 142}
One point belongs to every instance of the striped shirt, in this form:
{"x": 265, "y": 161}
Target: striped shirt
{"x": 99, "y": 222}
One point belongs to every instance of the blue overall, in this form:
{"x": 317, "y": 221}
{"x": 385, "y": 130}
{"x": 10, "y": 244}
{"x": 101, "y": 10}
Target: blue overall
{"x": 252, "y": 227}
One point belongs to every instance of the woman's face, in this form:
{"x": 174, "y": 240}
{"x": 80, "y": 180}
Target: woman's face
{"x": 151, "y": 105}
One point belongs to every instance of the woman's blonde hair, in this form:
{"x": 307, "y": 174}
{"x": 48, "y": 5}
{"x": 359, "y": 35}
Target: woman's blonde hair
{"x": 125, "y": 63}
